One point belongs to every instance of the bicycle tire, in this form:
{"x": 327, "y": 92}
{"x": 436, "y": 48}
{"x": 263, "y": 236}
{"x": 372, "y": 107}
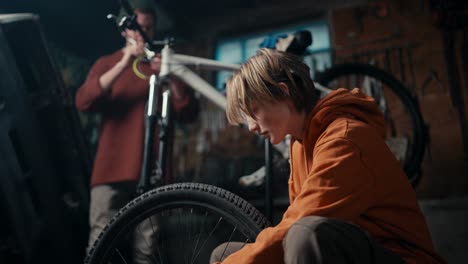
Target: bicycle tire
{"x": 412, "y": 163}
{"x": 177, "y": 198}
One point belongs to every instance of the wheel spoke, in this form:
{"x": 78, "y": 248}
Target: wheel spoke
{"x": 121, "y": 256}
{"x": 209, "y": 236}
{"x": 156, "y": 239}
{"x": 229, "y": 241}
{"x": 196, "y": 246}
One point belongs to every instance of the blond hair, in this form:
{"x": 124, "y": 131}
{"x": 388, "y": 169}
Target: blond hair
{"x": 258, "y": 82}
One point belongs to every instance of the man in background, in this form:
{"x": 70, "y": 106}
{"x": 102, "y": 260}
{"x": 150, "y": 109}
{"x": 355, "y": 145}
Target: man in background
{"x": 117, "y": 87}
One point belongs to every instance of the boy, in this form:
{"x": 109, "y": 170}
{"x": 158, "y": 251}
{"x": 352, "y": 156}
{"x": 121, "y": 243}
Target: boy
{"x": 350, "y": 200}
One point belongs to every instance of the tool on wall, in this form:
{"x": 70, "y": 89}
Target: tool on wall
{"x": 450, "y": 17}
{"x": 394, "y": 34}
{"x": 409, "y": 55}
{"x": 379, "y": 8}
{"x": 401, "y": 62}
{"x": 432, "y": 76}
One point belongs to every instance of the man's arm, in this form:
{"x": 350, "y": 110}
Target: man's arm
{"x": 101, "y": 77}
{"x": 129, "y": 52}
{"x": 107, "y": 79}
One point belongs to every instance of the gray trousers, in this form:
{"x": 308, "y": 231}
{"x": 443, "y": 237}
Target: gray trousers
{"x": 315, "y": 239}
{"x": 106, "y": 201}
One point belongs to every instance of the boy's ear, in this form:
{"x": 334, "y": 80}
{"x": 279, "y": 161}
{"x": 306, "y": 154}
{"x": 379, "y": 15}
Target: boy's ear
{"x": 284, "y": 87}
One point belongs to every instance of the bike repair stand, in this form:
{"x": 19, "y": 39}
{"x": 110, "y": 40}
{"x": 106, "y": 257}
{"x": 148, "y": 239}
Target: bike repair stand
{"x": 268, "y": 181}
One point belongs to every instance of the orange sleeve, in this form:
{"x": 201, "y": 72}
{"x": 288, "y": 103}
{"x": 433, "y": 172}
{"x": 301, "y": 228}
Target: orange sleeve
{"x": 338, "y": 185}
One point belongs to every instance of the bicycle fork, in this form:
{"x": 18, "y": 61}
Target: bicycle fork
{"x": 151, "y": 120}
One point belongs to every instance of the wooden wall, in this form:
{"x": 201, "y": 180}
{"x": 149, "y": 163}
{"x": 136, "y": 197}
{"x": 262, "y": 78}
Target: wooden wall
{"x": 359, "y": 29}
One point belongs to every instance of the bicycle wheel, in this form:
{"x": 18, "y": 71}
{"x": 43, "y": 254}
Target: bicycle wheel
{"x": 188, "y": 220}
{"x": 406, "y": 131}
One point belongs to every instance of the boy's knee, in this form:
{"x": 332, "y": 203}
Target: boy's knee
{"x": 316, "y": 239}
{"x": 300, "y": 243}
{"x": 311, "y": 222}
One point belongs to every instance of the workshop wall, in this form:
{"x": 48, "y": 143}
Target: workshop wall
{"x": 409, "y": 26}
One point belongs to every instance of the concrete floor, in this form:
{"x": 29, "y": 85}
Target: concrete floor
{"x": 448, "y": 223}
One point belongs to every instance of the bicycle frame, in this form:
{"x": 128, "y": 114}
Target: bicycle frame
{"x": 173, "y": 65}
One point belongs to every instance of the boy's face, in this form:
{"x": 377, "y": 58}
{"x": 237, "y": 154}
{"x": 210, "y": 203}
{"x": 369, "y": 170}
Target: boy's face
{"x": 271, "y": 120}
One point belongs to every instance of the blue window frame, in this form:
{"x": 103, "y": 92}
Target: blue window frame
{"x": 237, "y": 50}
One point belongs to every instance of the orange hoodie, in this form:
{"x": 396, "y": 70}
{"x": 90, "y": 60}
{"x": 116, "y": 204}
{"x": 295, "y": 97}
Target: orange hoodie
{"x": 343, "y": 169}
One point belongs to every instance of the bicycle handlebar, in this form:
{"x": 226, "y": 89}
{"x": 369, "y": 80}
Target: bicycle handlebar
{"x": 132, "y": 24}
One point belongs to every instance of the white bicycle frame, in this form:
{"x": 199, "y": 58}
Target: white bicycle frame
{"x": 172, "y": 63}
{"x": 175, "y": 64}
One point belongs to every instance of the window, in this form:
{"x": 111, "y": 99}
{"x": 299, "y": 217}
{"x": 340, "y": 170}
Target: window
{"x": 237, "y": 50}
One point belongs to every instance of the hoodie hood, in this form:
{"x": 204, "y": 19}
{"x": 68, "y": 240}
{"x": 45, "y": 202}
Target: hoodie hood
{"x": 343, "y": 103}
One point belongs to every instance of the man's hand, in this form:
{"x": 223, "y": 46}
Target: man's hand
{"x": 134, "y": 48}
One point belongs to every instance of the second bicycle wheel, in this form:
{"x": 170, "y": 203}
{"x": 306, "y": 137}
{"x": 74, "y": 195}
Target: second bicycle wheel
{"x": 406, "y": 131}
{"x": 178, "y": 223}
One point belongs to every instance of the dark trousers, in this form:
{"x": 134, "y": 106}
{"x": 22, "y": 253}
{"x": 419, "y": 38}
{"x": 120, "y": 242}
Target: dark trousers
{"x": 315, "y": 239}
